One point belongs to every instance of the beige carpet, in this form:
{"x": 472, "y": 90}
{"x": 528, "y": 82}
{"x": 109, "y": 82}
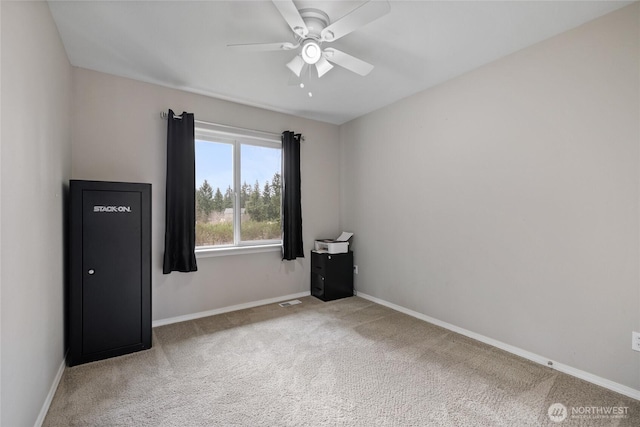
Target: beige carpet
{"x": 344, "y": 363}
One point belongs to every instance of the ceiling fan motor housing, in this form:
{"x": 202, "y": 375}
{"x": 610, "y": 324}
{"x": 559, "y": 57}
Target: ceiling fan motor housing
{"x": 316, "y": 21}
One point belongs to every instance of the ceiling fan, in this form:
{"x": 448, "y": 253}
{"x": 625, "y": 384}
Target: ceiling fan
{"x": 312, "y": 28}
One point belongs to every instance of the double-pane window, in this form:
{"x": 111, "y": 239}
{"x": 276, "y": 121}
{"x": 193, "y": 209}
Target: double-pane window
{"x": 238, "y": 188}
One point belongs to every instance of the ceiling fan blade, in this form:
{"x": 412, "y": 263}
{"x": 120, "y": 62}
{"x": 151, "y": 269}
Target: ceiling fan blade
{"x": 361, "y": 16}
{"x": 347, "y": 61}
{"x": 263, "y": 47}
{"x": 290, "y": 13}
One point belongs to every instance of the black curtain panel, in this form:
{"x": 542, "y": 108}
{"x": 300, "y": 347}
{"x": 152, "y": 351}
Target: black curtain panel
{"x": 291, "y": 198}
{"x": 180, "y": 222}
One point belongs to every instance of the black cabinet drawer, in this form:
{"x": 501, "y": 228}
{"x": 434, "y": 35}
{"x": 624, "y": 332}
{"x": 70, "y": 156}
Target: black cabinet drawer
{"x": 317, "y": 285}
{"x": 318, "y": 263}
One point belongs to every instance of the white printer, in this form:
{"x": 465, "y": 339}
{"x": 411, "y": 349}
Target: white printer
{"x": 334, "y": 246}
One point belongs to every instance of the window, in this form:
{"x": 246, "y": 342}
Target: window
{"x": 238, "y": 188}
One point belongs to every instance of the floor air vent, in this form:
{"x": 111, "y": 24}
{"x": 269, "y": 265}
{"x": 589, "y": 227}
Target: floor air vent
{"x": 288, "y": 303}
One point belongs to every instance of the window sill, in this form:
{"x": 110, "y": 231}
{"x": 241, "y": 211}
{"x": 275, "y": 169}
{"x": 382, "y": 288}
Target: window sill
{"x": 237, "y": 250}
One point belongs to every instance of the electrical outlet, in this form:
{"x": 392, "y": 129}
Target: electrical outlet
{"x": 355, "y": 269}
{"x": 635, "y": 341}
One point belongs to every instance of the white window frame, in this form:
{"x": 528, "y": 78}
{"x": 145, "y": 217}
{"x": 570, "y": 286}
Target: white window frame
{"x": 237, "y": 137}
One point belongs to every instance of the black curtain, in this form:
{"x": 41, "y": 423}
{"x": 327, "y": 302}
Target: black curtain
{"x": 291, "y": 206}
{"x": 180, "y": 221}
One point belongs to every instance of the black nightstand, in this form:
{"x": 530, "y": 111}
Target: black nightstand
{"x": 331, "y": 275}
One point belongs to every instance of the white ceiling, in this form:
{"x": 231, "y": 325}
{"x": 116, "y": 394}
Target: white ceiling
{"x": 419, "y": 44}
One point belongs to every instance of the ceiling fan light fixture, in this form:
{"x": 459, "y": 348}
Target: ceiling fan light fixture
{"x": 323, "y": 66}
{"x": 311, "y": 52}
{"x": 296, "y": 64}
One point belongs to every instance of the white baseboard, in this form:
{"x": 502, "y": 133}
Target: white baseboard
{"x": 228, "y": 309}
{"x": 603, "y": 382}
{"x": 52, "y": 392}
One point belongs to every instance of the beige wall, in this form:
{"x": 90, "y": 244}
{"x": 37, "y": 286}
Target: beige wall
{"x": 118, "y": 135}
{"x": 36, "y": 137}
{"x": 511, "y": 199}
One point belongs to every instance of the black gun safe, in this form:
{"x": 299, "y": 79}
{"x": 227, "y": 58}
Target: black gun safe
{"x": 109, "y": 295}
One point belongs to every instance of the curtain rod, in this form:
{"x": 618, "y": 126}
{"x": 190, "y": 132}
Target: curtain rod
{"x": 165, "y": 116}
